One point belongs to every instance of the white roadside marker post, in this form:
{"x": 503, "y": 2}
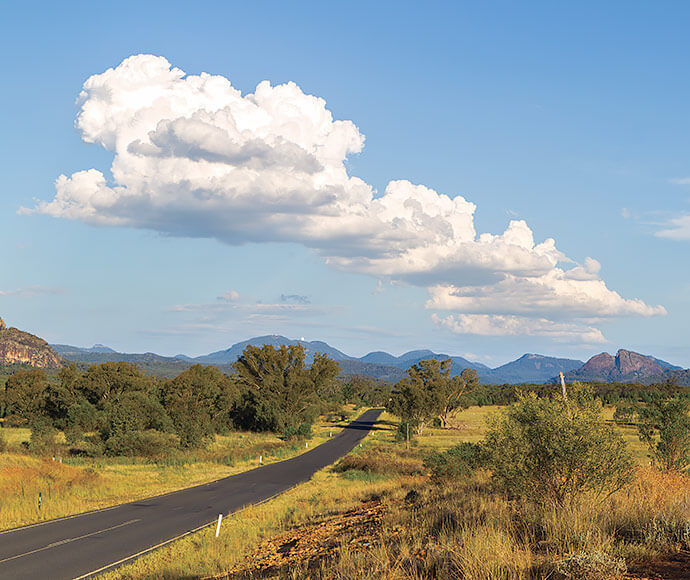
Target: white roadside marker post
{"x": 220, "y": 519}
{"x": 261, "y": 459}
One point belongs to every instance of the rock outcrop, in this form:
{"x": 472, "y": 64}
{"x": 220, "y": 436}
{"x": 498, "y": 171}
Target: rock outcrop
{"x": 19, "y": 347}
{"x": 626, "y": 366}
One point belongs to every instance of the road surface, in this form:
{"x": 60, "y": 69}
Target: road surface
{"x": 86, "y": 544}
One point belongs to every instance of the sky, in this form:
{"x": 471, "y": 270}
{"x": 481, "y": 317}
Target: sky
{"x": 480, "y": 179}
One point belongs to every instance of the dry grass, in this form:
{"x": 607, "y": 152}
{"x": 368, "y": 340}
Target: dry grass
{"x": 465, "y": 529}
{"x": 203, "y": 554}
{"x": 70, "y": 485}
{"x": 462, "y": 529}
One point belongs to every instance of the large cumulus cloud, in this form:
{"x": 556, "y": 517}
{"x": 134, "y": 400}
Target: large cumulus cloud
{"x": 195, "y": 157}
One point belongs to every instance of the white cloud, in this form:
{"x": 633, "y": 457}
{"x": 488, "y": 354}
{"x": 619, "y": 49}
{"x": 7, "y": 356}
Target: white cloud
{"x": 680, "y": 180}
{"x": 510, "y": 325}
{"x": 194, "y": 157}
{"x": 677, "y": 228}
{"x": 573, "y": 293}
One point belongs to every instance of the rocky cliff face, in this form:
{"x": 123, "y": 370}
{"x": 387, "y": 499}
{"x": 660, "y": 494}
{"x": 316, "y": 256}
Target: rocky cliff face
{"x": 626, "y": 366}
{"x": 19, "y": 347}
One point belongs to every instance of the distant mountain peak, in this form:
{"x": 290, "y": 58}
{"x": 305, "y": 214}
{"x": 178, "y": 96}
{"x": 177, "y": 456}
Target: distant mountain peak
{"x": 626, "y": 366}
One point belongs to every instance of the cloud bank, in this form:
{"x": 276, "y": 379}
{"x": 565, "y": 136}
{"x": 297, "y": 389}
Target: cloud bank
{"x": 194, "y": 157}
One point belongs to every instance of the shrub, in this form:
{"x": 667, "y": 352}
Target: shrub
{"x": 383, "y": 461}
{"x": 147, "y": 443}
{"x": 42, "y": 435}
{"x": 3, "y": 442}
{"x": 405, "y": 429}
{"x": 665, "y": 427}
{"x": 624, "y": 414}
{"x": 303, "y": 430}
{"x": 459, "y": 461}
{"x": 552, "y": 450}
{"x": 83, "y": 416}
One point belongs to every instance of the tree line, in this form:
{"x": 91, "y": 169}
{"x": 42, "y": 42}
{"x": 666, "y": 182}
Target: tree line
{"x": 113, "y": 408}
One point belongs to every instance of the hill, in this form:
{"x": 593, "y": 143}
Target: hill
{"x": 67, "y": 349}
{"x": 22, "y": 348}
{"x": 230, "y": 355}
{"x": 626, "y": 367}
{"x": 531, "y": 368}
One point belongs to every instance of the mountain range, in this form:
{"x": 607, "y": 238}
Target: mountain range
{"x": 626, "y": 366}
{"x": 18, "y": 347}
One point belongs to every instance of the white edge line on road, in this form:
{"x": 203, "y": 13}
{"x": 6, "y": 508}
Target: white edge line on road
{"x": 79, "y": 515}
{"x": 68, "y": 540}
{"x": 112, "y": 507}
{"x": 201, "y": 527}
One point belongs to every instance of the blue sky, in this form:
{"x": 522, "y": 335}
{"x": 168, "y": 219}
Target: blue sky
{"x": 569, "y": 121}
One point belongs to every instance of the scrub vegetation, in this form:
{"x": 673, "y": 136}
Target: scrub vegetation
{"x": 585, "y": 484}
{"x": 421, "y": 521}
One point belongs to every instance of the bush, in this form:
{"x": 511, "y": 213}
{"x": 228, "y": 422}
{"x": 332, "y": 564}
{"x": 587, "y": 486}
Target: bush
{"x": 303, "y": 430}
{"x": 405, "y": 429}
{"x": 665, "y": 427}
{"x": 459, "y": 461}
{"x": 3, "y": 442}
{"x": 83, "y": 416}
{"x": 624, "y": 414}
{"x": 552, "y": 450}
{"x": 381, "y": 461}
{"x": 42, "y": 436}
{"x": 140, "y": 443}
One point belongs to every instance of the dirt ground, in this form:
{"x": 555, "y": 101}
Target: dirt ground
{"x": 675, "y": 567}
{"x": 311, "y": 544}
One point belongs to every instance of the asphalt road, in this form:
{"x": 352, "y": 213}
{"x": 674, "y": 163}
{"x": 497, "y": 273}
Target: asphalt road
{"x": 86, "y": 544}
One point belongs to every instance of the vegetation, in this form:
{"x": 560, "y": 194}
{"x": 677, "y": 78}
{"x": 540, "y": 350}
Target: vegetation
{"x": 555, "y": 449}
{"x": 278, "y": 392}
{"x": 665, "y": 427}
{"x": 429, "y": 391}
{"x": 548, "y": 489}
{"x": 465, "y": 526}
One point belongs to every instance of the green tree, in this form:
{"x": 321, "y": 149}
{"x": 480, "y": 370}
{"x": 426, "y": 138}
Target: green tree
{"x": 430, "y": 391}
{"x": 554, "y": 449}
{"x": 25, "y": 395}
{"x": 199, "y": 401}
{"x": 279, "y": 393}
{"x": 105, "y": 382}
{"x": 664, "y": 425}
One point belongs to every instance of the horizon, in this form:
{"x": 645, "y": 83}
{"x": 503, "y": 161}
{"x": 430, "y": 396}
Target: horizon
{"x": 471, "y": 181}
{"x": 359, "y": 356}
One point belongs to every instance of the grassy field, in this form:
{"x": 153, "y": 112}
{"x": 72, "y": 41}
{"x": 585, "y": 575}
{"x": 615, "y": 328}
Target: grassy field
{"x": 71, "y": 485}
{"x": 463, "y": 530}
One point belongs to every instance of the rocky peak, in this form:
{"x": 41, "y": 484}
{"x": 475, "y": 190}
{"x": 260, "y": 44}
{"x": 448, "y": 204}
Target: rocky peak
{"x": 625, "y": 366}
{"x": 19, "y": 347}
{"x": 629, "y": 362}
{"x": 601, "y": 363}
